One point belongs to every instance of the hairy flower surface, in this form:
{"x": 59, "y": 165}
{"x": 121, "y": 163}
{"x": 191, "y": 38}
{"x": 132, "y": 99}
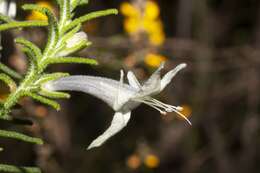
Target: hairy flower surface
{"x": 123, "y": 98}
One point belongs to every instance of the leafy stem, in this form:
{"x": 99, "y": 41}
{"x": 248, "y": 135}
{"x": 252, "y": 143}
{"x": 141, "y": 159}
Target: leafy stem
{"x": 64, "y": 39}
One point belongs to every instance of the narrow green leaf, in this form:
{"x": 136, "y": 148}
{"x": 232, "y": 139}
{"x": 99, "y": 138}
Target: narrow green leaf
{"x": 89, "y": 16}
{"x": 78, "y": 60}
{"x": 35, "y": 49}
{"x": 32, "y": 58}
{"x": 9, "y": 71}
{"x": 83, "y": 2}
{"x": 70, "y": 33}
{"x": 76, "y": 3}
{"x": 53, "y": 25}
{"x": 54, "y": 94}
{"x": 48, "y": 77}
{"x": 5, "y": 18}
{"x": 20, "y": 136}
{"x": 8, "y": 81}
{"x": 18, "y": 169}
{"x": 13, "y": 25}
{"x": 32, "y": 51}
{"x": 4, "y": 114}
{"x": 63, "y": 41}
{"x": 67, "y": 51}
{"x": 64, "y": 12}
{"x": 59, "y": 3}
{"x": 44, "y": 100}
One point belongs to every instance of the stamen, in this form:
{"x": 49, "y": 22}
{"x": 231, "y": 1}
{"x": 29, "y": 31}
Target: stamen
{"x": 179, "y": 108}
{"x": 166, "y": 105}
{"x": 162, "y": 107}
{"x": 153, "y": 106}
{"x": 183, "y": 116}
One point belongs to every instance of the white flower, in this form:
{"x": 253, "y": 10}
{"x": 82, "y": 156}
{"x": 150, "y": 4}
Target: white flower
{"x": 12, "y": 9}
{"x": 3, "y": 7}
{"x": 8, "y": 9}
{"x": 76, "y": 39}
{"x": 123, "y": 98}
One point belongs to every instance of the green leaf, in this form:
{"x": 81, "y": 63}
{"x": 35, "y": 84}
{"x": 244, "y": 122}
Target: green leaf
{"x": 63, "y": 41}
{"x": 34, "y": 49}
{"x": 9, "y": 71}
{"x": 4, "y": 114}
{"x": 78, "y": 60}
{"x": 18, "y": 169}
{"x": 53, "y": 25}
{"x": 64, "y": 12}
{"x": 83, "y": 2}
{"x": 8, "y": 81}
{"x": 44, "y": 100}
{"x": 74, "y": 49}
{"x": 13, "y": 25}
{"x": 5, "y": 18}
{"x": 54, "y": 94}
{"x": 48, "y": 77}
{"x": 20, "y": 136}
{"x": 59, "y": 2}
{"x": 89, "y": 16}
{"x": 70, "y": 33}
{"x": 32, "y": 59}
{"x": 76, "y": 3}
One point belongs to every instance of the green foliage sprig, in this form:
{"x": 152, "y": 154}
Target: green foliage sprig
{"x": 63, "y": 40}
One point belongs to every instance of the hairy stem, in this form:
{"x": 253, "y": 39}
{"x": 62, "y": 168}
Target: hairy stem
{"x": 30, "y": 78}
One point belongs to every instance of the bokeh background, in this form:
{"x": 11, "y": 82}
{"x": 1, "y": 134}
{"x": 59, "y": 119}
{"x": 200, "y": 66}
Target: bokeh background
{"x": 219, "y": 90}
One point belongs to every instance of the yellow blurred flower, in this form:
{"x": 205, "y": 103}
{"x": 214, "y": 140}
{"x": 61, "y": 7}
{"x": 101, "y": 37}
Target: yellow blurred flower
{"x": 154, "y": 60}
{"x": 147, "y": 21}
{"x": 133, "y": 161}
{"x": 129, "y": 10}
{"x": 152, "y": 10}
{"x": 131, "y": 25}
{"x": 35, "y": 15}
{"x": 152, "y": 161}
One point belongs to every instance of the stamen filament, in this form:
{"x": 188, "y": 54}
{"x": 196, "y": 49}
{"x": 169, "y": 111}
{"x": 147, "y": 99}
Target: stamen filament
{"x": 162, "y": 107}
{"x": 153, "y": 106}
{"x": 183, "y": 116}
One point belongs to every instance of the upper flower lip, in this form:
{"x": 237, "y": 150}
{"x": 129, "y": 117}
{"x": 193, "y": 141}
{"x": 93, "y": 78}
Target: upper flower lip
{"x": 153, "y": 85}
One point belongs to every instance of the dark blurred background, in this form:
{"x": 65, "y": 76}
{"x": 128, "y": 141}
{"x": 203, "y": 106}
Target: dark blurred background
{"x": 219, "y": 90}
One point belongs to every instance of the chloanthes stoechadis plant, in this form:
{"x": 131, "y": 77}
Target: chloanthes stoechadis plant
{"x": 64, "y": 39}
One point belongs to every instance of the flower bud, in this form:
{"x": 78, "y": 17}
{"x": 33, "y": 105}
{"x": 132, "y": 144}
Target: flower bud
{"x": 76, "y": 39}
